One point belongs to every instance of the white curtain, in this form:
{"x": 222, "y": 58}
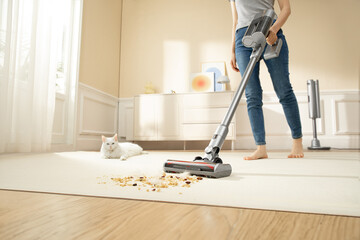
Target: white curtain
{"x": 28, "y": 54}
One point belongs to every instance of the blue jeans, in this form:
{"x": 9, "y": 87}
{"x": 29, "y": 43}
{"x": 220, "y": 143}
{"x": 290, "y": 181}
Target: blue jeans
{"x": 279, "y": 72}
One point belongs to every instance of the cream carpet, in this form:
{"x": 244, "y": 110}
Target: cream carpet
{"x": 322, "y": 182}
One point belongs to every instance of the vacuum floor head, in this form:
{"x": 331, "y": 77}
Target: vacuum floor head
{"x": 199, "y": 168}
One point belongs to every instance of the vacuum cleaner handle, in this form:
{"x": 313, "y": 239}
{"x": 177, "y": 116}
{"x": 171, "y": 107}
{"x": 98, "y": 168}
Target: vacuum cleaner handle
{"x": 258, "y": 30}
{"x": 273, "y": 51}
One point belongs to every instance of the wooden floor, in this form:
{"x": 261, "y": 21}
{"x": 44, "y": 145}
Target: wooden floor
{"x": 26, "y": 215}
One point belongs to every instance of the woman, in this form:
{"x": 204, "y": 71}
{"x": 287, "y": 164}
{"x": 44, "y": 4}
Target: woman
{"x": 243, "y": 12}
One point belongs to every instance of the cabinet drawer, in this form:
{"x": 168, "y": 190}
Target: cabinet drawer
{"x": 218, "y": 99}
{"x": 205, "y": 131}
{"x": 204, "y": 115}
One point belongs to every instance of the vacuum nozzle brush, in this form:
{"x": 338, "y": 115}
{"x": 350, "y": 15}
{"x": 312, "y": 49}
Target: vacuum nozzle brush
{"x": 199, "y": 168}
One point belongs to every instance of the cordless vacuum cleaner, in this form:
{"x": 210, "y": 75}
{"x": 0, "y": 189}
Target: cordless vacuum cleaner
{"x": 314, "y": 112}
{"x": 211, "y": 164}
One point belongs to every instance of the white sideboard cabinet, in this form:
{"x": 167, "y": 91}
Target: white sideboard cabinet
{"x": 185, "y": 116}
{"x": 157, "y": 117}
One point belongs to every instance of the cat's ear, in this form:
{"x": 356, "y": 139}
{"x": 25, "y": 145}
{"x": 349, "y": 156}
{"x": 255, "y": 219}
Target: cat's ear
{"x": 115, "y": 137}
{"x": 103, "y": 138}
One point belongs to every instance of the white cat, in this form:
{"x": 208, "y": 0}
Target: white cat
{"x": 111, "y": 148}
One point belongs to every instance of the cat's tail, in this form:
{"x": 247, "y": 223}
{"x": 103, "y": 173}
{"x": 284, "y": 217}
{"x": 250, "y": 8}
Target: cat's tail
{"x": 144, "y": 152}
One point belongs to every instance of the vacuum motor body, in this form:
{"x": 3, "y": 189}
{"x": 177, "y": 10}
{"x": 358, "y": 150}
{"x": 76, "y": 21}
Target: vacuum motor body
{"x": 258, "y": 29}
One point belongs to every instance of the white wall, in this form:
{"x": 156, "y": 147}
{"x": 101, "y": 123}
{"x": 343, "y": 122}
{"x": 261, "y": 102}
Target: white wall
{"x": 163, "y": 41}
{"x": 100, "y": 45}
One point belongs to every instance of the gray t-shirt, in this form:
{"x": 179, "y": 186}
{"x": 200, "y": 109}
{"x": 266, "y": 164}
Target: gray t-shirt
{"x": 247, "y": 9}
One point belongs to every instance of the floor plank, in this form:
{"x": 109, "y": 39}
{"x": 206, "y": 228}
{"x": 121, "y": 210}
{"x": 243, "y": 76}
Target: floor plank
{"x": 27, "y": 215}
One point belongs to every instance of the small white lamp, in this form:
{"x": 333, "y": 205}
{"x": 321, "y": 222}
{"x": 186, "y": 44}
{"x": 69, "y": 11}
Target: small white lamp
{"x": 223, "y": 80}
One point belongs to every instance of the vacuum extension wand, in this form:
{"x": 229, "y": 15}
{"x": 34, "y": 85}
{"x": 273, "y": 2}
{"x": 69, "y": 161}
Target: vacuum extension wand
{"x": 211, "y": 164}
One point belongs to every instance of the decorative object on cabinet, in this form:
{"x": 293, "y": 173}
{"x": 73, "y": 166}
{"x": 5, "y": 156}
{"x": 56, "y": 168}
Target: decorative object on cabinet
{"x": 202, "y": 82}
{"x": 149, "y": 88}
{"x": 223, "y": 80}
{"x": 218, "y": 68}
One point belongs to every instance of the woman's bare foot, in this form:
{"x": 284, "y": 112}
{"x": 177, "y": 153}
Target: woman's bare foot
{"x": 259, "y": 153}
{"x": 297, "y": 149}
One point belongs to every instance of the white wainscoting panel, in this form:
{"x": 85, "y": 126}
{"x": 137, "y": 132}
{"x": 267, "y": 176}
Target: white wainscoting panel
{"x": 59, "y": 119}
{"x": 126, "y": 120}
{"x": 346, "y": 120}
{"x": 97, "y": 115}
{"x": 63, "y": 134}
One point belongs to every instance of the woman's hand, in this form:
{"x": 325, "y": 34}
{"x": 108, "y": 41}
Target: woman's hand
{"x": 285, "y": 11}
{"x": 233, "y": 63}
{"x": 272, "y": 37}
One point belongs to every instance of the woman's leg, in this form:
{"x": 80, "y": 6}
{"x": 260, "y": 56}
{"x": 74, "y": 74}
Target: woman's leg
{"x": 253, "y": 92}
{"x": 279, "y": 72}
